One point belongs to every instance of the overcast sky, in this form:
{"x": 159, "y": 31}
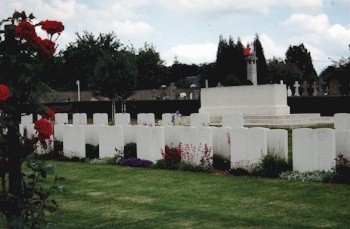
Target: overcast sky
{"x": 190, "y": 29}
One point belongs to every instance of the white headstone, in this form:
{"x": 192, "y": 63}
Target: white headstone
{"x": 58, "y": 132}
{"x": 74, "y": 141}
{"x": 30, "y": 130}
{"x": 79, "y": 119}
{"x": 222, "y": 141}
{"x": 341, "y": 121}
{"x": 61, "y": 118}
{"x": 342, "y": 143}
{"x": 146, "y": 119}
{"x": 122, "y": 119}
{"x": 167, "y": 119}
{"x": 150, "y": 143}
{"x": 100, "y": 119}
{"x": 313, "y": 149}
{"x": 200, "y": 119}
{"x": 92, "y": 134}
{"x": 172, "y": 135}
{"x": 204, "y": 142}
{"x": 277, "y": 143}
{"x": 27, "y": 119}
{"x": 232, "y": 120}
{"x": 188, "y": 143}
{"x": 130, "y": 133}
{"x": 248, "y": 145}
{"x": 111, "y": 139}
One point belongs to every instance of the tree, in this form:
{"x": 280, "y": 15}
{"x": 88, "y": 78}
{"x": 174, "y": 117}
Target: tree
{"x": 301, "y": 57}
{"x": 151, "y": 69}
{"x": 81, "y": 56}
{"x": 115, "y": 75}
{"x": 340, "y": 71}
{"x": 262, "y": 72}
{"x": 230, "y": 60}
{"x": 279, "y": 70}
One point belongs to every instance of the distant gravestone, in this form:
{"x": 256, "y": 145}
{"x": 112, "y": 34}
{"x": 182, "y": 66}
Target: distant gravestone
{"x": 200, "y": 119}
{"x": 289, "y": 92}
{"x": 122, "y": 119}
{"x": 320, "y": 87}
{"x": 296, "y": 86}
{"x": 334, "y": 86}
{"x": 314, "y": 86}
{"x": 305, "y": 87}
{"x": 61, "y": 118}
{"x": 100, "y": 118}
{"x": 79, "y": 119}
{"x": 27, "y": 119}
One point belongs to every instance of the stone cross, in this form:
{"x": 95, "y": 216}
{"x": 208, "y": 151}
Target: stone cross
{"x": 305, "y": 87}
{"x": 281, "y": 81}
{"x": 314, "y": 86}
{"x": 296, "y": 86}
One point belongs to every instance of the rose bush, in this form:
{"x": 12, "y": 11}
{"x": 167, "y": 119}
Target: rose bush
{"x": 23, "y": 57}
{"x": 4, "y": 93}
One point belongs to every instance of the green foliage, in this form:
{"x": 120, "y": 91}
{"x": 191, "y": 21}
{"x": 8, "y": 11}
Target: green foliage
{"x": 314, "y": 176}
{"x": 115, "y": 75}
{"x": 271, "y": 166}
{"x": 151, "y": 69}
{"x": 301, "y": 57}
{"x": 37, "y": 201}
{"x": 187, "y": 166}
{"x": 342, "y": 170}
{"x": 92, "y": 151}
{"x": 239, "y": 172}
{"x": 232, "y": 80}
{"x": 262, "y": 72}
{"x": 221, "y": 163}
{"x": 130, "y": 150}
{"x": 229, "y": 52}
{"x": 81, "y": 56}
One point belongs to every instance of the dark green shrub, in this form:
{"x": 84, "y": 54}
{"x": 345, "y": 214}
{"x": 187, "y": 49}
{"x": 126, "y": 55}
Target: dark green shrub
{"x": 130, "y": 150}
{"x": 186, "y": 166}
{"x": 239, "y": 172}
{"x": 163, "y": 164}
{"x": 271, "y": 166}
{"x": 342, "y": 170}
{"x": 221, "y": 163}
{"x": 92, "y": 151}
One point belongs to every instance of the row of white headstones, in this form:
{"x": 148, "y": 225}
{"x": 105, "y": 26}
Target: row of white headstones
{"x": 313, "y": 149}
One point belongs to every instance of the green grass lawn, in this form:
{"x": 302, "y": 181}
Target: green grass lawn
{"x": 102, "y": 196}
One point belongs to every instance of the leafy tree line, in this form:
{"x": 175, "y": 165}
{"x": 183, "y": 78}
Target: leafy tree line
{"x": 105, "y": 66}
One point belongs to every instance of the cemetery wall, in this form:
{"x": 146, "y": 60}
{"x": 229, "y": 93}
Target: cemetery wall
{"x": 325, "y": 105}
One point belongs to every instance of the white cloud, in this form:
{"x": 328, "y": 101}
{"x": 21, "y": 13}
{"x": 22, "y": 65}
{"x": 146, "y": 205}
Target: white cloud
{"x": 191, "y": 53}
{"x": 318, "y": 23}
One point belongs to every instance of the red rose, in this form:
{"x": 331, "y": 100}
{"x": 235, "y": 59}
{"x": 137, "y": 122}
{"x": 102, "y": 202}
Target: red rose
{"x": 52, "y": 27}
{"x": 44, "y": 129}
{"x": 26, "y": 31}
{"x": 47, "y": 46}
{"x": 4, "y": 92}
{"x": 47, "y": 113}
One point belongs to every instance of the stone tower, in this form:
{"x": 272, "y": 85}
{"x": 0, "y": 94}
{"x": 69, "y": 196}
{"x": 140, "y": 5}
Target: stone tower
{"x": 252, "y": 68}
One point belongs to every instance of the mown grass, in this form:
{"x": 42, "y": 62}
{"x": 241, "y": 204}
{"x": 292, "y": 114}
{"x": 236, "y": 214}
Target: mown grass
{"x": 103, "y": 196}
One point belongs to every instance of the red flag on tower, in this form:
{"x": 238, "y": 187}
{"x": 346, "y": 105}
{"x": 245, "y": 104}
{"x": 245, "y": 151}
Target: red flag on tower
{"x": 246, "y": 51}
